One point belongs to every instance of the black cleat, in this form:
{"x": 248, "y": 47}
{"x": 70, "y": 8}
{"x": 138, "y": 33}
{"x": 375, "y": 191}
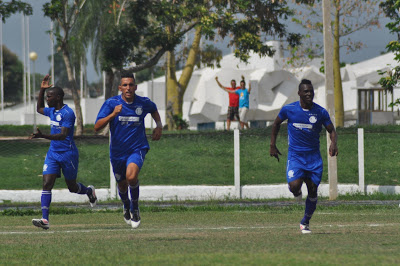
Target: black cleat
{"x": 42, "y": 223}
{"x": 135, "y": 221}
{"x": 92, "y": 196}
{"x": 127, "y": 216}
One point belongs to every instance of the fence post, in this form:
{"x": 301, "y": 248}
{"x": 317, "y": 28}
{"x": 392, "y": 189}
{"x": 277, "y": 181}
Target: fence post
{"x": 237, "y": 163}
{"x": 113, "y": 183}
{"x": 361, "y": 175}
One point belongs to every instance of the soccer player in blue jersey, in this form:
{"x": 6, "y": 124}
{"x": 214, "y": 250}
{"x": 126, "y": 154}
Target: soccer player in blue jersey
{"x": 304, "y": 163}
{"x": 125, "y": 113}
{"x": 62, "y": 154}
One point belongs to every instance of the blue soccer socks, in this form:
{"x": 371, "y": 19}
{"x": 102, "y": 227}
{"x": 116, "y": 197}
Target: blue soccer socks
{"x": 311, "y": 205}
{"x": 45, "y": 202}
{"x": 125, "y": 199}
{"x": 83, "y": 190}
{"x": 134, "y": 197}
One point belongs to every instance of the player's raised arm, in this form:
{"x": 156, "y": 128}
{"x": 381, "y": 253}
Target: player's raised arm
{"x": 43, "y": 87}
{"x": 249, "y": 86}
{"x": 333, "y": 149}
{"x": 273, "y": 150}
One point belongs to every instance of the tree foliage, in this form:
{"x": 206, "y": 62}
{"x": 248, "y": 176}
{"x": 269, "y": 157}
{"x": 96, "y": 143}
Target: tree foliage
{"x": 12, "y": 73}
{"x": 70, "y": 24}
{"x": 12, "y": 7}
{"x": 348, "y": 17}
{"x": 391, "y": 77}
{"x": 354, "y": 16}
{"x": 146, "y": 30}
{"x": 142, "y": 31}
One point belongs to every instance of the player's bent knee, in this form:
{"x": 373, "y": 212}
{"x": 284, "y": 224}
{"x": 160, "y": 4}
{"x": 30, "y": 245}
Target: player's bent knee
{"x": 295, "y": 188}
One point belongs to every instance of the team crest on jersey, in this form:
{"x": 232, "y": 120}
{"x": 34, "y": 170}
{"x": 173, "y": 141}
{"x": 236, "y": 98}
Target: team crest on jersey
{"x": 312, "y": 119}
{"x": 139, "y": 110}
{"x": 290, "y": 174}
{"x": 58, "y": 117}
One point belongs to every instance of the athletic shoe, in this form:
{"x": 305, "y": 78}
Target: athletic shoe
{"x": 135, "y": 221}
{"x": 92, "y": 196}
{"x": 305, "y": 228}
{"x": 42, "y": 223}
{"x": 127, "y": 216}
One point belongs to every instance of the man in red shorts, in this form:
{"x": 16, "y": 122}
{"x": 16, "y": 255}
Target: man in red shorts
{"x": 233, "y": 108}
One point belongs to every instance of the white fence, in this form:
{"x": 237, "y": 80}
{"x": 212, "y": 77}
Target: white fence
{"x": 160, "y": 193}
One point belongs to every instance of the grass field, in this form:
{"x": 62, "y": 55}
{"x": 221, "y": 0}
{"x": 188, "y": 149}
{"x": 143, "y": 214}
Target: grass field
{"x": 236, "y": 235}
{"x": 204, "y": 158}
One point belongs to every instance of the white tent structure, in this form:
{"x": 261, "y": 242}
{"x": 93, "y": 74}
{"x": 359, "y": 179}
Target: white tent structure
{"x": 273, "y": 82}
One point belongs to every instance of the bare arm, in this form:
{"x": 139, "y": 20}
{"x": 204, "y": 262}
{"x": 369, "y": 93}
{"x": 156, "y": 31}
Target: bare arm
{"x": 273, "y": 150}
{"x": 157, "y": 132}
{"x": 61, "y": 136}
{"x": 101, "y": 123}
{"x": 43, "y": 87}
{"x": 333, "y": 150}
{"x": 223, "y": 87}
{"x": 249, "y": 87}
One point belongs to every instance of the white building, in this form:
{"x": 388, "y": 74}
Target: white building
{"x": 273, "y": 82}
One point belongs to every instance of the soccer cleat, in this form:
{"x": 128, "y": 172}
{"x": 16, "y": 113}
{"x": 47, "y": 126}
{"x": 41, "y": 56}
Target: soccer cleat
{"x": 42, "y": 223}
{"x": 135, "y": 221}
{"x": 127, "y": 216}
{"x": 305, "y": 228}
{"x": 92, "y": 196}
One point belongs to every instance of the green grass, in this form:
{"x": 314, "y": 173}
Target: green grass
{"x": 22, "y": 162}
{"x": 196, "y": 158}
{"x": 344, "y": 235}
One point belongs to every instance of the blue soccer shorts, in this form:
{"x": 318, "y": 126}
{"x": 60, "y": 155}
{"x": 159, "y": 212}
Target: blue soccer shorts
{"x": 304, "y": 165}
{"x": 120, "y": 165}
{"x": 67, "y": 161}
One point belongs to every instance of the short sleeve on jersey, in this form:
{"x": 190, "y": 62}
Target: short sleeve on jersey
{"x": 152, "y": 107}
{"x": 47, "y": 111}
{"x": 283, "y": 113}
{"x": 326, "y": 118}
{"x": 68, "y": 120}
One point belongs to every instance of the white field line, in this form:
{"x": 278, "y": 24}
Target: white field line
{"x": 222, "y": 228}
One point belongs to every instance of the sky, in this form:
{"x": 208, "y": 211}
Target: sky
{"x": 39, "y": 41}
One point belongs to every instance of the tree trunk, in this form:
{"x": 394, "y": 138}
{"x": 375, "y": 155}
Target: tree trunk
{"x": 175, "y": 89}
{"x": 190, "y": 63}
{"x": 172, "y": 91}
{"x": 338, "y": 90}
{"x": 109, "y": 85}
{"x": 75, "y": 95}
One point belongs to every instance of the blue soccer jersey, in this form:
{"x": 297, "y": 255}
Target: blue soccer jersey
{"x": 127, "y": 128}
{"x": 304, "y": 126}
{"x": 64, "y": 117}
